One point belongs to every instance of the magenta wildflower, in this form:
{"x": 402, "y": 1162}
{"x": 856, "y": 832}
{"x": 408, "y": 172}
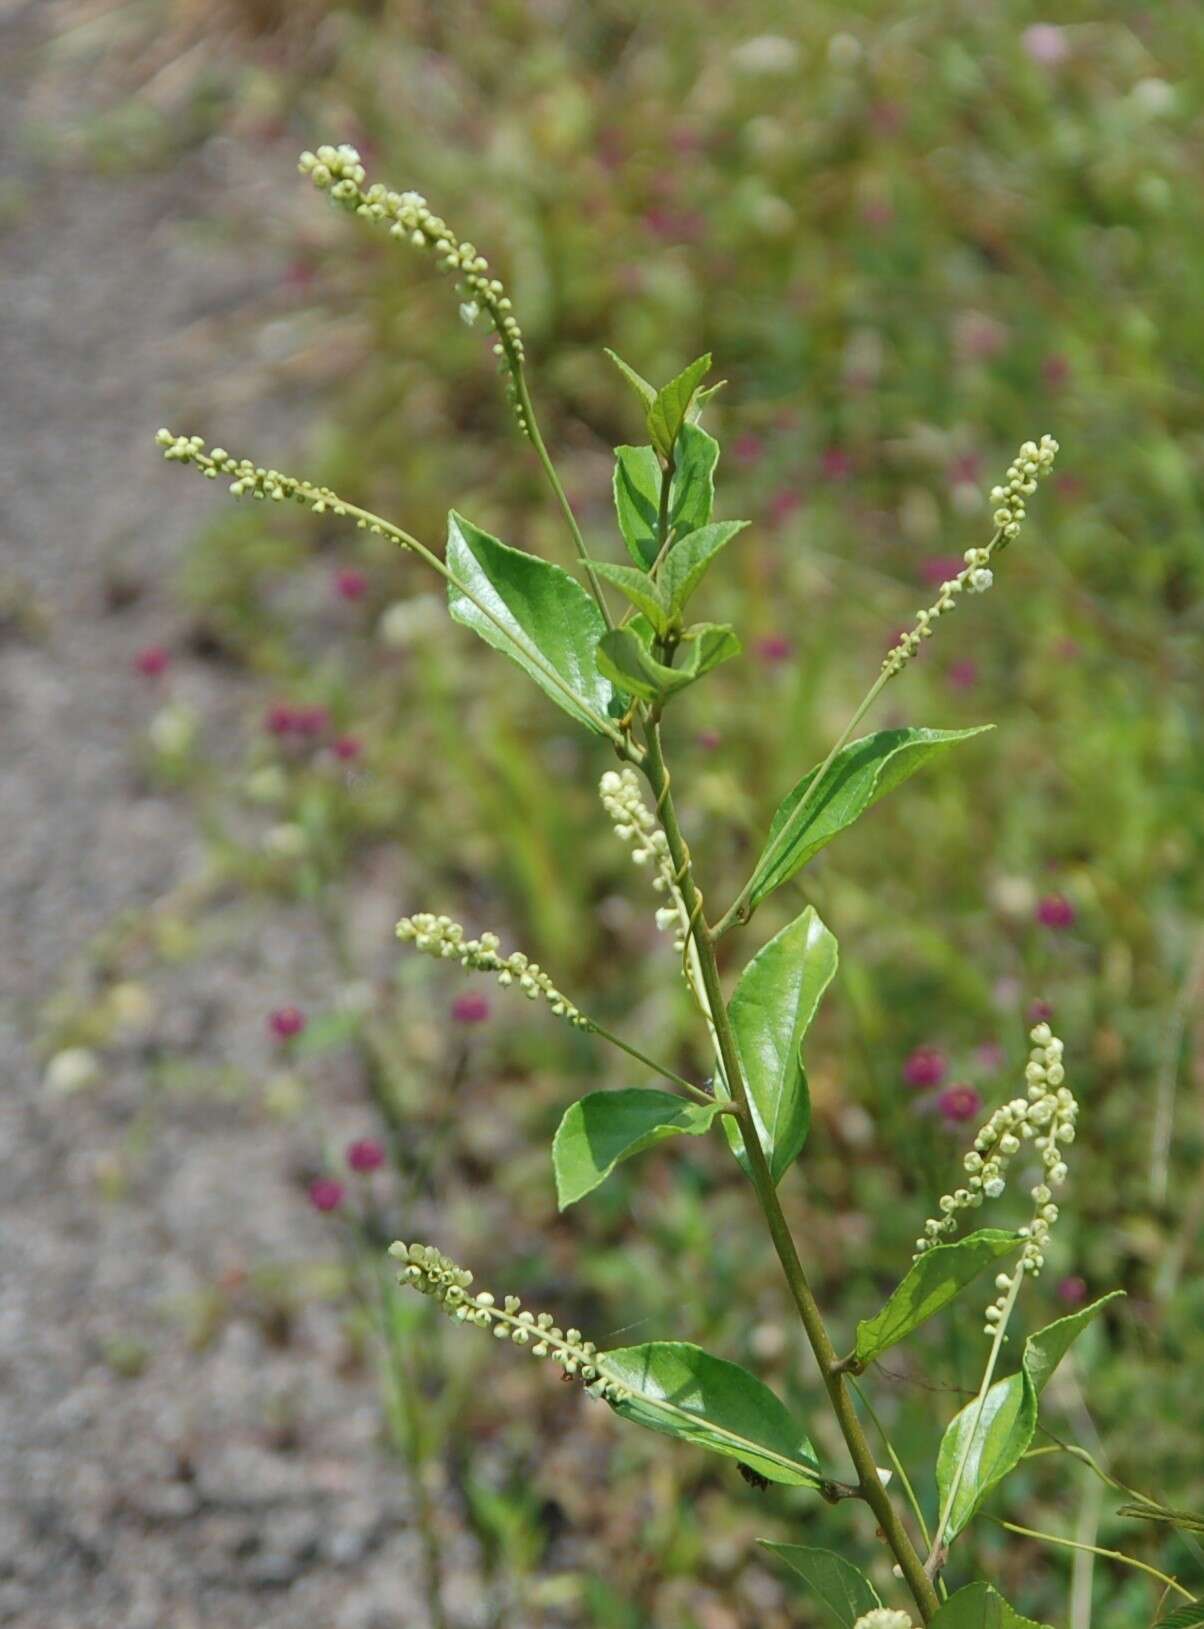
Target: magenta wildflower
{"x": 1039, "y": 1012}
{"x": 310, "y": 720}
{"x": 472, "y": 1008}
{"x": 1072, "y": 1291}
{"x": 280, "y": 719}
{"x": 364, "y": 1155}
{"x": 346, "y": 748}
{"x": 924, "y": 1066}
{"x": 958, "y": 1103}
{"x": 963, "y": 675}
{"x": 708, "y": 740}
{"x": 350, "y": 584}
{"x": 325, "y": 1194}
{"x": 939, "y": 568}
{"x": 152, "y": 661}
{"x": 1055, "y": 911}
{"x": 773, "y": 649}
{"x": 836, "y": 464}
{"x": 285, "y": 1022}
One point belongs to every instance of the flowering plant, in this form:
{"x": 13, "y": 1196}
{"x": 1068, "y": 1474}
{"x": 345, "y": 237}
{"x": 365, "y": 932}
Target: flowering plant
{"x": 617, "y": 676}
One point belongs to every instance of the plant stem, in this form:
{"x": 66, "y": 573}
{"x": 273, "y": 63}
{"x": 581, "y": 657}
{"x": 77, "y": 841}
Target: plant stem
{"x": 871, "y": 1488}
{"x": 740, "y": 911}
{"x": 541, "y": 452}
{"x": 896, "y": 1463}
{"x": 934, "y": 1556}
{"x": 695, "y": 1092}
{"x": 1094, "y": 1549}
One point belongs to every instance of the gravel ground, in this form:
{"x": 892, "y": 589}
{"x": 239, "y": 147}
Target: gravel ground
{"x": 241, "y": 1483}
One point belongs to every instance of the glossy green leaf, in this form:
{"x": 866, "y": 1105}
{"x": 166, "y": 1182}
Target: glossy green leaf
{"x": 637, "y": 487}
{"x": 859, "y": 775}
{"x": 838, "y": 1586}
{"x": 668, "y": 412}
{"x": 625, "y": 656}
{"x": 930, "y": 1284}
{"x": 770, "y": 1011}
{"x": 535, "y": 613}
{"x": 978, "y": 1606}
{"x": 1000, "y": 1436}
{"x": 681, "y": 1390}
{"x": 605, "y": 1128}
{"x": 687, "y": 562}
{"x": 642, "y": 590}
{"x": 638, "y": 383}
{"x": 1046, "y": 1349}
{"x": 1184, "y": 1617}
{"x": 701, "y": 398}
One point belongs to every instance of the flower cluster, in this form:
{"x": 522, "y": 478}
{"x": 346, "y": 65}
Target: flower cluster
{"x": 1046, "y": 1117}
{"x": 254, "y": 481}
{"x": 439, "y": 936}
{"x": 338, "y": 171}
{"x": 431, "y": 1273}
{"x": 884, "y": 1617}
{"x": 635, "y": 823}
{"x": 1031, "y": 463}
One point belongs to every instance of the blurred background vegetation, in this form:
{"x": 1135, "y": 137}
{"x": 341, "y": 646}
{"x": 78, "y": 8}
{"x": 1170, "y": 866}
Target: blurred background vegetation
{"x": 912, "y": 238}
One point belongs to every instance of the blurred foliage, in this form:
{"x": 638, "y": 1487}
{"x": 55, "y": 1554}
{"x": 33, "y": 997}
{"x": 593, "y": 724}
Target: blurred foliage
{"x": 911, "y": 241}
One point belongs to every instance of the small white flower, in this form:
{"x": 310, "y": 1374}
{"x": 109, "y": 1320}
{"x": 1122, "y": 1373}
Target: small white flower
{"x": 884, "y": 1617}
{"x": 71, "y": 1070}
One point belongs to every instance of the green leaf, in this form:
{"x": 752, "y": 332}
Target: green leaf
{"x": 770, "y": 1011}
{"x": 687, "y": 562}
{"x": 1184, "y": 1617}
{"x": 1046, "y": 1349}
{"x": 538, "y": 616}
{"x": 605, "y": 1128}
{"x": 637, "y": 501}
{"x": 668, "y": 412}
{"x": 701, "y": 398}
{"x": 837, "y": 1585}
{"x": 637, "y": 485}
{"x": 930, "y": 1284}
{"x": 859, "y": 775}
{"x": 625, "y": 656}
{"x": 638, "y": 383}
{"x": 1158, "y": 1513}
{"x": 681, "y": 1390}
{"x": 642, "y": 590}
{"x": 978, "y": 1606}
{"x": 1001, "y": 1435}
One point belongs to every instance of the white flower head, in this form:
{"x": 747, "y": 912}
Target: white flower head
{"x": 884, "y": 1617}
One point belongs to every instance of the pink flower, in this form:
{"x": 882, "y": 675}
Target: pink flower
{"x": 365, "y": 1155}
{"x": 325, "y": 1194}
{"x": 747, "y": 449}
{"x": 350, "y": 584}
{"x": 708, "y": 740}
{"x": 958, "y": 1103}
{"x": 152, "y": 662}
{"x": 782, "y": 504}
{"x": 1072, "y": 1291}
{"x": 773, "y": 649}
{"x": 280, "y": 719}
{"x": 1055, "y": 911}
{"x": 925, "y": 1066}
{"x": 940, "y": 568}
{"x": 1045, "y": 43}
{"x": 285, "y": 1022}
{"x": 963, "y": 675}
{"x": 310, "y": 720}
{"x": 346, "y": 748}
{"x": 471, "y": 1009}
{"x": 836, "y": 464}
{"x": 1039, "y": 1012}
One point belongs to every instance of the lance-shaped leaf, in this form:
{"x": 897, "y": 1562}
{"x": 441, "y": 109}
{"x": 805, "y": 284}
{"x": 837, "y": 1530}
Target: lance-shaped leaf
{"x": 683, "y": 1391}
{"x": 861, "y": 773}
{"x": 993, "y": 1439}
{"x": 845, "y": 1593}
{"x": 770, "y": 1012}
{"x": 638, "y": 383}
{"x": 625, "y": 656}
{"x": 668, "y": 412}
{"x": 637, "y": 484}
{"x": 1183, "y": 1617}
{"x": 535, "y": 613}
{"x": 605, "y": 1128}
{"x": 930, "y": 1284}
{"x": 643, "y": 591}
{"x": 978, "y": 1606}
{"x": 687, "y": 562}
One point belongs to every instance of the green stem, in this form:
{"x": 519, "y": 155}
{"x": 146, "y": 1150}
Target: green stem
{"x": 527, "y": 409}
{"x": 739, "y": 911}
{"x": 1094, "y": 1549}
{"x": 896, "y": 1462}
{"x": 870, "y": 1484}
{"x": 695, "y": 1092}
